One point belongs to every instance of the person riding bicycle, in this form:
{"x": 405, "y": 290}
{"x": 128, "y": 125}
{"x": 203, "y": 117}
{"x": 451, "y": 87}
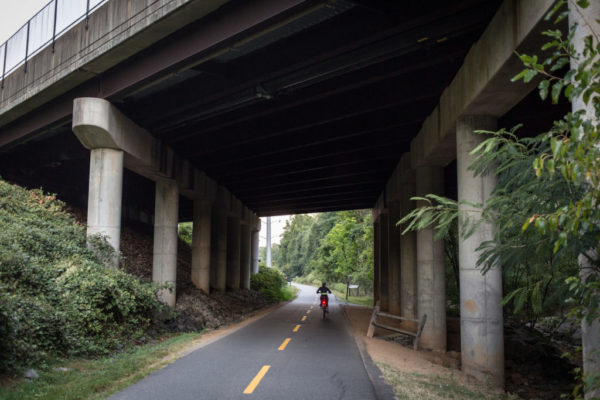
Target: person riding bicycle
{"x": 324, "y": 290}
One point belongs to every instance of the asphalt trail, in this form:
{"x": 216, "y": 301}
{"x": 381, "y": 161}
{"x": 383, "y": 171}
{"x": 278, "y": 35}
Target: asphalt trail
{"x": 320, "y": 360}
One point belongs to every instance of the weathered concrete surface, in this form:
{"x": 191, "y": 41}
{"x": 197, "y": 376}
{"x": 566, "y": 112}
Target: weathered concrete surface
{"x": 255, "y": 229}
{"x": 105, "y": 196}
{"x": 480, "y": 86}
{"x": 99, "y": 124}
{"x": 482, "y": 323}
{"x": 218, "y": 261}
{"x": 164, "y": 262}
{"x": 392, "y": 190}
{"x": 384, "y": 287}
{"x": 233, "y": 253}
{"x": 408, "y": 242}
{"x": 116, "y": 31}
{"x": 376, "y": 262}
{"x": 431, "y": 268}
{"x": 201, "y": 244}
{"x": 586, "y": 20}
{"x": 394, "y": 258}
{"x": 245, "y": 260}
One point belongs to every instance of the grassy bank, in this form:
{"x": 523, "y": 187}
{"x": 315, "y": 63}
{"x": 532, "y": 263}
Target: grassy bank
{"x": 413, "y": 386}
{"x": 97, "y": 379}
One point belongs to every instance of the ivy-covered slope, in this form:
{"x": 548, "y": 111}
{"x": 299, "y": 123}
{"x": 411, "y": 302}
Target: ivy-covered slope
{"x": 56, "y": 297}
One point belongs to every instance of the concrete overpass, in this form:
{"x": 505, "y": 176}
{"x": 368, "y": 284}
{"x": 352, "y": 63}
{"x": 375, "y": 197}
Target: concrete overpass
{"x": 222, "y": 111}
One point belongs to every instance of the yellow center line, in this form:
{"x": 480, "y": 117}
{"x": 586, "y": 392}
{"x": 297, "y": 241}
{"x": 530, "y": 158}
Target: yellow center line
{"x": 308, "y": 311}
{"x": 311, "y": 307}
{"x": 296, "y": 328}
{"x": 304, "y": 318}
{"x": 250, "y": 388}
{"x": 285, "y": 343}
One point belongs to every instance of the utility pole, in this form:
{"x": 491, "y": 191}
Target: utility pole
{"x": 269, "y": 242}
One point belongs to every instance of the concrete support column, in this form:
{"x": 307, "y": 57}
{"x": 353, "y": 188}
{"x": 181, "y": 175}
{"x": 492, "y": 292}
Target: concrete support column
{"x": 105, "y": 197}
{"x": 590, "y": 332}
{"x": 201, "y": 238}
{"x": 233, "y": 253}
{"x": 408, "y": 244}
{"x": 394, "y": 257}
{"x": 255, "y": 249}
{"x": 245, "y": 256}
{"x": 384, "y": 292}
{"x": 218, "y": 260}
{"x": 164, "y": 262}
{"x": 431, "y": 270}
{"x": 482, "y": 327}
{"x": 376, "y": 262}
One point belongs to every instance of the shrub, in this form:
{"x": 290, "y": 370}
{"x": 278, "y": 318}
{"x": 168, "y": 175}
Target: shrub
{"x": 270, "y": 282}
{"x": 56, "y": 297}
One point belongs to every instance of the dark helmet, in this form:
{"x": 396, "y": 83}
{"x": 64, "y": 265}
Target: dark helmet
{"x": 324, "y": 283}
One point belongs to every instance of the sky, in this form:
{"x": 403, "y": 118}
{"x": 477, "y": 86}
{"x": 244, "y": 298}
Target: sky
{"x": 277, "y": 225}
{"x": 14, "y": 14}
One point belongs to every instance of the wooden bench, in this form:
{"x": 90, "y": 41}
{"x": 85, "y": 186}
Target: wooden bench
{"x": 374, "y": 323}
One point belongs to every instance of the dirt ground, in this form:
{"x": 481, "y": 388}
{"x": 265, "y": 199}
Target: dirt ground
{"x": 534, "y": 369}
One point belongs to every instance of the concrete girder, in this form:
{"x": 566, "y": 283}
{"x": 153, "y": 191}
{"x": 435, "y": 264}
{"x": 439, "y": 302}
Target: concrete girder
{"x": 480, "y": 86}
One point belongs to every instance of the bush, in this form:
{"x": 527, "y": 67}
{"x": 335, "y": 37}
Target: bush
{"x": 56, "y": 297}
{"x": 271, "y": 283}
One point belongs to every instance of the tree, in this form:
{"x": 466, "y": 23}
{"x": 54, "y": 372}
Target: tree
{"x": 546, "y": 204}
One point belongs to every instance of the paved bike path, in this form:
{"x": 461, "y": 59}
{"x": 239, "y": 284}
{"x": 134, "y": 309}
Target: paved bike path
{"x": 320, "y": 360}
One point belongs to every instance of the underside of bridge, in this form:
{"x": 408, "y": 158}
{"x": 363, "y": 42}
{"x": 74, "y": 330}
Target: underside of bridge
{"x": 306, "y": 112}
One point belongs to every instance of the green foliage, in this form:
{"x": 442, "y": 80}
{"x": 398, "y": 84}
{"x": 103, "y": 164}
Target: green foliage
{"x": 294, "y": 256}
{"x": 329, "y": 246}
{"x": 57, "y": 297}
{"x": 185, "y": 230}
{"x": 546, "y": 206}
{"x": 271, "y": 283}
{"x": 97, "y": 379}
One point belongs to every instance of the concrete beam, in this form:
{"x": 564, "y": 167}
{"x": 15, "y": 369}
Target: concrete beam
{"x": 233, "y": 253}
{"x": 115, "y": 31}
{"x": 481, "y": 319}
{"x": 480, "y": 86}
{"x": 164, "y": 262}
{"x": 201, "y": 244}
{"x": 586, "y": 20}
{"x": 376, "y": 261}
{"x": 431, "y": 268}
{"x": 105, "y": 197}
{"x": 408, "y": 242}
{"x": 218, "y": 260}
{"x": 255, "y": 250}
{"x": 245, "y": 256}
{"x": 384, "y": 284}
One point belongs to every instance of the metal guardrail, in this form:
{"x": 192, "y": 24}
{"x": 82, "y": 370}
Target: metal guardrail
{"x": 42, "y": 30}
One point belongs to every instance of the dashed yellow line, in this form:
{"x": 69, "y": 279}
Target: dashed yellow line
{"x": 308, "y": 311}
{"x": 285, "y": 343}
{"x": 304, "y": 318}
{"x": 254, "y": 383}
{"x": 296, "y": 328}
{"x": 311, "y": 307}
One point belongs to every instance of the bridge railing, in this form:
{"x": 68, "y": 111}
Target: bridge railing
{"x": 42, "y": 30}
